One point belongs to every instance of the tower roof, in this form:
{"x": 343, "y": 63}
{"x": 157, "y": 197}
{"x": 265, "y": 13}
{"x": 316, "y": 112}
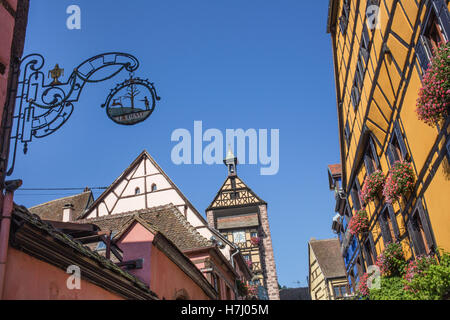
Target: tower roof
{"x": 234, "y": 193}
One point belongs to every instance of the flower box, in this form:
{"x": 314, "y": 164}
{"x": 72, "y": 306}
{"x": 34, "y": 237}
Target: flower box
{"x": 434, "y": 97}
{"x": 399, "y": 182}
{"x": 255, "y": 241}
{"x": 391, "y": 261}
{"x": 373, "y": 187}
{"x": 359, "y": 223}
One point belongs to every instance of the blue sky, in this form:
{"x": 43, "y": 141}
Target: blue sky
{"x": 231, "y": 64}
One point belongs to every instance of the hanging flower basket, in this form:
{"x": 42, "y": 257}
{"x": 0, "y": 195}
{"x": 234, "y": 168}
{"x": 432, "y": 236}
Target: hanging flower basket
{"x": 373, "y": 186}
{"x": 399, "y": 182}
{"x": 255, "y": 241}
{"x": 434, "y": 96}
{"x": 252, "y": 292}
{"x": 242, "y": 288}
{"x": 359, "y": 223}
{"x": 362, "y": 288}
{"x": 249, "y": 264}
{"x": 391, "y": 261}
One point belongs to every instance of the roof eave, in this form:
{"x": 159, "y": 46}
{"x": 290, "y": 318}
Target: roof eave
{"x": 331, "y": 15}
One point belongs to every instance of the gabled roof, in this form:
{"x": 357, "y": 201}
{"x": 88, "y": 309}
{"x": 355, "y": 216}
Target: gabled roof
{"x": 334, "y": 173}
{"x": 335, "y": 170}
{"x": 143, "y": 155}
{"x": 234, "y": 193}
{"x": 329, "y": 258}
{"x": 53, "y": 210}
{"x": 166, "y": 219}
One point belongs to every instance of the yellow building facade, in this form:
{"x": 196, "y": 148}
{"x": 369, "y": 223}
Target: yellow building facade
{"x": 381, "y": 50}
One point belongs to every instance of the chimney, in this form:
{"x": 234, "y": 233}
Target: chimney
{"x": 68, "y": 212}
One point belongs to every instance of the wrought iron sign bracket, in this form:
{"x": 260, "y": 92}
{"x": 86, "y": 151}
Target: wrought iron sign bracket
{"x": 41, "y": 109}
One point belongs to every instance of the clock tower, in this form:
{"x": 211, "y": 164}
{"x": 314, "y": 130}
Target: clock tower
{"x": 240, "y": 215}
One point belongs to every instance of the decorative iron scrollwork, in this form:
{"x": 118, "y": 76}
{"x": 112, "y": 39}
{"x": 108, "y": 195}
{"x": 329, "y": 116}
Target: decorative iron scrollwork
{"x": 41, "y": 109}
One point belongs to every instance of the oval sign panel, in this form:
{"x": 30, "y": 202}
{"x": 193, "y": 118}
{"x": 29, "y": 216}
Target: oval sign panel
{"x": 131, "y": 101}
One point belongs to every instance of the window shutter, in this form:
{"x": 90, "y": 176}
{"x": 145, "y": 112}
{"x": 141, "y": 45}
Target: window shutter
{"x": 412, "y": 230}
{"x": 443, "y": 16}
{"x": 355, "y": 96}
{"x": 390, "y": 155}
{"x": 384, "y": 229}
{"x": 401, "y": 141}
{"x": 355, "y": 199}
{"x": 374, "y": 154}
{"x": 372, "y": 246}
{"x": 426, "y": 227}
{"x": 394, "y": 221}
{"x": 448, "y": 150}
{"x": 368, "y": 163}
{"x": 347, "y": 133}
{"x": 422, "y": 54}
{"x": 367, "y": 253}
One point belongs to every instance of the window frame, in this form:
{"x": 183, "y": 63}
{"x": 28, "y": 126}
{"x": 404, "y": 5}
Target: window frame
{"x": 438, "y": 10}
{"x": 239, "y": 232}
{"x": 396, "y": 153}
{"x": 421, "y": 235}
{"x": 344, "y": 18}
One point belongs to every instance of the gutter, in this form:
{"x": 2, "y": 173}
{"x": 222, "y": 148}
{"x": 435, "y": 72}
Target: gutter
{"x": 5, "y": 220}
{"x": 232, "y": 264}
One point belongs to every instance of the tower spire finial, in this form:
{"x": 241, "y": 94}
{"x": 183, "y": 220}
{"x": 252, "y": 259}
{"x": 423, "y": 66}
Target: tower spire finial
{"x": 230, "y": 161}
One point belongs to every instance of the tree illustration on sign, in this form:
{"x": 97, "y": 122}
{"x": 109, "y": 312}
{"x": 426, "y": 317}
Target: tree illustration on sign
{"x": 132, "y": 92}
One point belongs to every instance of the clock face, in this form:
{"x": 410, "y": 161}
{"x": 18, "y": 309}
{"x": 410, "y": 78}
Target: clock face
{"x": 239, "y": 236}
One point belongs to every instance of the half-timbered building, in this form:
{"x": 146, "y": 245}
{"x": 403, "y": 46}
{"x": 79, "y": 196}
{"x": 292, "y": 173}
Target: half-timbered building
{"x": 239, "y": 214}
{"x": 381, "y": 51}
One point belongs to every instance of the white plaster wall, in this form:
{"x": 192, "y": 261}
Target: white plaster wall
{"x": 159, "y": 180}
{"x": 130, "y": 204}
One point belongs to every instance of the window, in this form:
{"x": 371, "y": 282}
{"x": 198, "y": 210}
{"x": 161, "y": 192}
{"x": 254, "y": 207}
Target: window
{"x": 369, "y": 250}
{"x": 420, "y": 231}
{"x": 371, "y": 161}
{"x": 137, "y": 191}
{"x": 365, "y": 41}
{"x": 396, "y": 149}
{"x": 247, "y": 257}
{"x": 216, "y": 283}
{"x": 101, "y": 245}
{"x": 254, "y": 234}
{"x": 239, "y": 236}
{"x": 347, "y": 133}
{"x": 234, "y": 195}
{"x": 436, "y": 28}
{"x": 339, "y": 291}
{"x": 361, "y": 65}
{"x": 355, "y": 196}
{"x": 154, "y": 188}
{"x": 343, "y": 20}
{"x": 448, "y": 151}
{"x": 386, "y": 227}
